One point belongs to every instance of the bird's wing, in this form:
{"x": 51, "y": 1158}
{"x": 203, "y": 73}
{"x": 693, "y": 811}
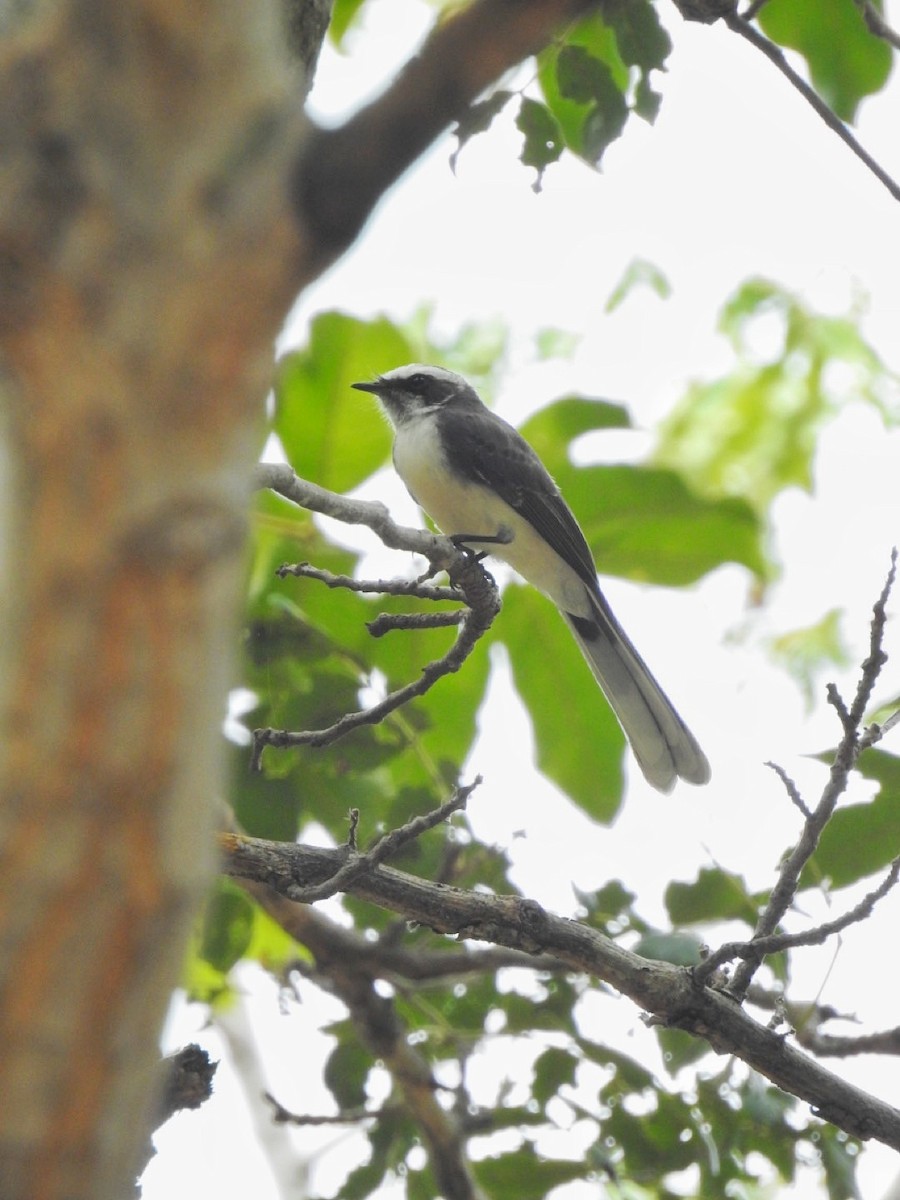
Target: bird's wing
{"x": 487, "y": 450}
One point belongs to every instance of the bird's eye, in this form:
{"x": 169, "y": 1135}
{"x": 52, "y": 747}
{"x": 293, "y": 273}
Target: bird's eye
{"x": 418, "y": 382}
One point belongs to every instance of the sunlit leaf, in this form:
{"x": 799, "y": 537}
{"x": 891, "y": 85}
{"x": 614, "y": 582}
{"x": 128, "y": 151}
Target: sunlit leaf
{"x": 343, "y": 14}
{"x": 753, "y": 432}
{"x": 555, "y": 343}
{"x": 846, "y": 61}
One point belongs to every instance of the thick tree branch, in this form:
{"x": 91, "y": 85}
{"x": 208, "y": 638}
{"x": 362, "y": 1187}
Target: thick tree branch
{"x": 665, "y": 991}
{"x": 344, "y": 172}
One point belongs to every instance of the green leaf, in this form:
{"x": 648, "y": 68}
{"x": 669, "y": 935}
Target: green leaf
{"x": 640, "y": 36}
{"x": 680, "y": 1049}
{"x": 638, "y": 273}
{"x": 846, "y": 61}
{"x": 331, "y": 434}
{"x": 647, "y": 101}
{"x": 590, "y": 83}
{"x": 343, "y": 14}
{"x": 860, "y": 839}
{"x": 477, "y": 119}
{"x": 543, "y": 137}
{"x": 641, "y": 523}
{"x": 804, "y": 652}
{"x": 715, "y": 895}
{"x": 524, "y": 1174}
{"x": 645, "y": 524}
{"x": 347, "y": 1069}
{"x": 681, "y": 949}
{"x": 753, "y": 432}
{"x": 584, "y": 84}
{"x": 551, "y": 430}
{"x": 609, "y": 908}
{"x": 552, "y": 1069}
{"x": 840, "y": 1158}
{"x": 555, "y": 343}
{"x": 227, "y": 926}
{"x": 579, "y": 744}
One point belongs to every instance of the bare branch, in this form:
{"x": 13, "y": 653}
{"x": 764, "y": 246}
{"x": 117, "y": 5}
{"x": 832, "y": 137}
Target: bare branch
{"x": 466, "y": 573}
{"x": 826, "y": 1045}
{"x": 356, "y": 865}
{"x": 344, "y": 172}
{"x": 739, "y": 25}
{"x": 383, "y": 587}
{"x": 791, "y": 789}
{"x": 347, "y": 1116}
{"x": 758, "y": 947}
{"x": 391, "y": 622}
{"x": 844, "y": 760}
{"x": 876, "y": 23}
{"x": 666, "y": 991}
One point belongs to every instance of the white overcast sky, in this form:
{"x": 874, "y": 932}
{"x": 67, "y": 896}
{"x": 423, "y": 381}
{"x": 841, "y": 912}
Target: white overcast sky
{"x": 737, "y": 178}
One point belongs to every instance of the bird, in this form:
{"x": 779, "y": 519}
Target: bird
{"x": 483, "y": 485}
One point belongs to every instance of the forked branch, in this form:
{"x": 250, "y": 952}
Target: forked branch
{"x": 470, "y": 583}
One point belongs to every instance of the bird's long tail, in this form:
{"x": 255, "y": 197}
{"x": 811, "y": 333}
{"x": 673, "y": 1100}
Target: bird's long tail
{"x": 664, "y": 747}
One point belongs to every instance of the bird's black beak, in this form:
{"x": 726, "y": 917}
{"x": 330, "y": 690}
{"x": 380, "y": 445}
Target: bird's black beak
{"x": 374, "y": 387}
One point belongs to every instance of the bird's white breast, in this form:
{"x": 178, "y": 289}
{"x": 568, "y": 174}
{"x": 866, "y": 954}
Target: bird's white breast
{"x": 457, "y": 506}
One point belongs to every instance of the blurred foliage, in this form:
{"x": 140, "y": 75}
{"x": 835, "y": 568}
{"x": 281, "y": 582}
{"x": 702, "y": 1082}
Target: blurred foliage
{"x": 308, "y": 658}
{"x": 846, "y": 62}
{"x": 752, "y": 433}
{"x": 803, "y": 652}
{"x": 598, "y": 74}
{"x": 638, "y": 273}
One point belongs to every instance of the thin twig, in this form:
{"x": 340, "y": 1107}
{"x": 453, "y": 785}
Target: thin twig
{"x": 876, "y": 23}
{"x": 825, "y": 1045}
{"x": 466, "y": 574}
{"x": 773, "y": 53}
{"x": 845, "y": 757}
{"x": 385, "y": 587}
{"x": 759, "y": 947}
{"x": 348, "y": 1116}
{"x": 791, "y": 788}
{"x": 389, "y": 844}
{"x": 391, "y": 622}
